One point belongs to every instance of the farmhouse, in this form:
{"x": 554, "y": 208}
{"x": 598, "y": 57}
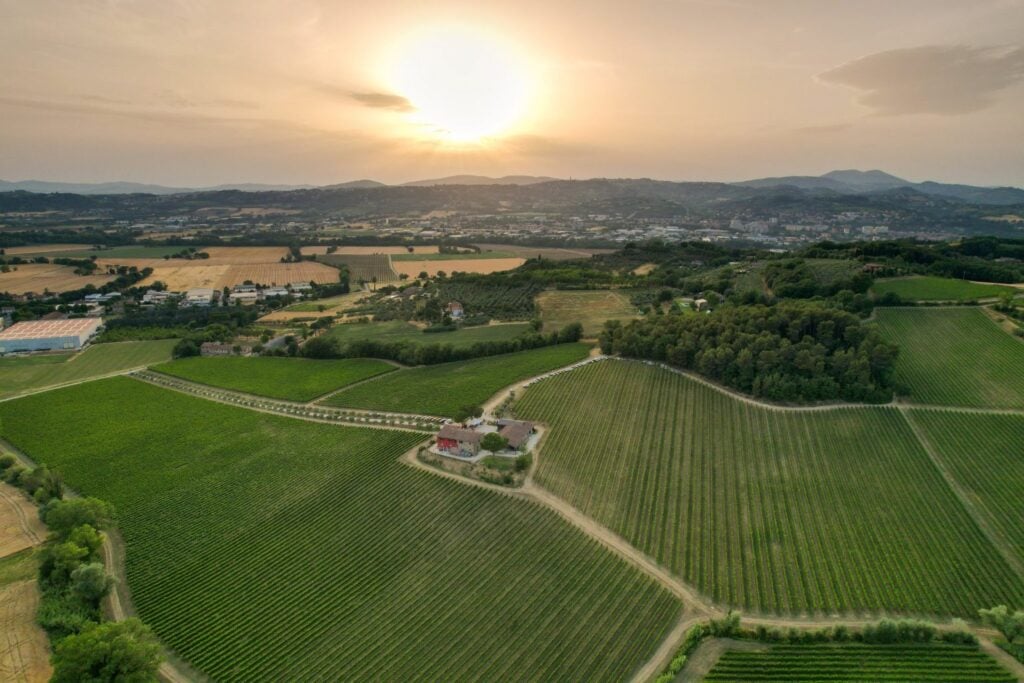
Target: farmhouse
{"x": 216, "y": 349}
{"x": 199, "y": 296}
{"x": 458, "y": 440}
{"x": 455, "y": 310}
{"x": 48, "y": 335}
{"x": 516, "y": 432}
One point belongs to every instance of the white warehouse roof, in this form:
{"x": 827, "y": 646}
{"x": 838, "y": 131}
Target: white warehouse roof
{"x": 37, "y": 329}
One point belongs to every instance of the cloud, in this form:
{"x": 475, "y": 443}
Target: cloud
{"x": 382, "y": 100}
{"x": 932, "y": 79}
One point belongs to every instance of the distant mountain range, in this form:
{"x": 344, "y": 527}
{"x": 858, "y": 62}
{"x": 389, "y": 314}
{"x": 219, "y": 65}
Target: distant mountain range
{"x": 835, "y": 183}
{"x": 863, "y": 182}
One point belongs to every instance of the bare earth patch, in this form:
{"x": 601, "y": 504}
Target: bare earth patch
{"x": 20, "y": 526}
{"x": 24, "y": 651}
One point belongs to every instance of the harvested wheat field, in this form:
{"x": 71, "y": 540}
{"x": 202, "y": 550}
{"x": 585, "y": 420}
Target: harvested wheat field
{"x": 43, "y": 248}
{"x": 481, "y": 265}
{"x": 40, "y": 277}
{"x": 20, "y": 526}
{"x": 360, "y": 251}
{"x": 181, "y": 277}
{"x": 24, "y": 651}
{"x": 245, "y": 255}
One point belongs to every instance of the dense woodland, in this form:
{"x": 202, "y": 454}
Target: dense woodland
{"x": 794, "y": 351}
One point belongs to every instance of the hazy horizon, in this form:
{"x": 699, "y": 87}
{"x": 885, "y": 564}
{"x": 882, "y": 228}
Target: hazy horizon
{"x": 190, "y": 94}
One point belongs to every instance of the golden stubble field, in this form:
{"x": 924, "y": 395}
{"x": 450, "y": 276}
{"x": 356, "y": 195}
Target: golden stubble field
{"x": 229, "y": 266}
{"x": 481, "y": 265}
{"x": 362, "y": 251}
{"x": 41, "y": 277}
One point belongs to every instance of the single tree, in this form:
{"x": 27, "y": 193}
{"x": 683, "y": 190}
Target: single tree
{"x": 123, "y": 651}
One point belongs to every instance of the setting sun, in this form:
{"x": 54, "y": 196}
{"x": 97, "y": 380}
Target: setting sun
{"x": 463, "y": 86}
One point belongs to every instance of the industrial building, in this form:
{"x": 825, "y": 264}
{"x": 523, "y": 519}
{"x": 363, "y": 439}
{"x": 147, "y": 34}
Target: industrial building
{"x": 49, "y": 335}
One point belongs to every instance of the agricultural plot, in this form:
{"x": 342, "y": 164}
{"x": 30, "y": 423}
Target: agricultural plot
{"x": 180, "y": 275}
{"x": 955, "y": 356}
{"x": 44, "y": 249}
{"x": 381, "y": 249}
{"x": 505, "y": 302}
{"x": 817, "y": 512}
{"x": 364, "y": 267}
{"x": 927, "y": 288}
{"x": 47, "y": 277}
{"x": 590, "y": 307}
{"x": 550, "y": 253}
{"x": 399, "y": 331}
{"x": 859, "y": 662}
{"x": 443, "y": 389}
{"x": 292, "y": 379}
{"x": 985, "y": 457}
{"x": 36, "y": 372}
{"x": 264, "y": 548}
{"x": 456, "y": 265}
{"x": 469, "y": 255}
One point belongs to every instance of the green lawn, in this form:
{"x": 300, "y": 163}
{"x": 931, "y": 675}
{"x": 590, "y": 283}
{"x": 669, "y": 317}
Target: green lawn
{"x": 592, "y": 308}
{"x": 293, "y": 379}
{"x": 35, "y": 372}
{"x": 824, "y": 512}
{"x": 400, "y": 331}
{"x": 955, "y": 356}
{"x": 443, "y": 389}
{"x": 927, "y": 288}
{"x": 859, "y": 662}
{"x": 264, "y": 548}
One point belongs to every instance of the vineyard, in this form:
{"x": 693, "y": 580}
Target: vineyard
{"x": 445, "y": 388}
{"x": 262, "y": 548}
{"x": 364, "y": 267}
{"x": 293, "y": 379}
{"x": 820, "y": 512}
{"x": 35, "y": 372}
{"x": 503, "y": 302}
{"x": 955, "y": 356}
{"x": 984, "y": 454}
{"x": 927, "y": 288}
{"x": 400, "y": 331}
{"x": 857, "y": 662}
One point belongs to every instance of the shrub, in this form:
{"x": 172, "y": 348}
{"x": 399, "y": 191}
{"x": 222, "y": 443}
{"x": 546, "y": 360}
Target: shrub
{"x": 63, "y": 516}
{"x": 62, "y": 615}
{"x": 726, "y": 626}
{"x": 493, "y": 442}
{"x": 7, "y": 460}
{"x": 114, "y": 651}
{"x": 90, "y": 582}
{"x": 59, "y": 561}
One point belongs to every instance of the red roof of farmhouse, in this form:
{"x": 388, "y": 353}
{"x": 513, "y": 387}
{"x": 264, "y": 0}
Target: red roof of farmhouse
{"x": 33, "y": 329}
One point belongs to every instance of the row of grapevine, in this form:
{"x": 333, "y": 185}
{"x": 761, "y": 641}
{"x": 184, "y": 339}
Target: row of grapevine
{"x": 984, "y": 455}
{"x": 855, "y": 662}
{"x": 955, "y": 356}
{"x": 261, "y": 548}
{"x": 364, "y": 267}
{"x": 824, "y": 512}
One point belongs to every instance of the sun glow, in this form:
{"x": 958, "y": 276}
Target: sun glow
{"x": 463, "y": 86}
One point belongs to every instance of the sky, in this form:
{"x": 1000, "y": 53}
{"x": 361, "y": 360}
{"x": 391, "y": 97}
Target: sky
{"x": 195, "y": 93}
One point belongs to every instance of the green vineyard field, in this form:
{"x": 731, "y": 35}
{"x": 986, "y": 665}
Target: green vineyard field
{"x": 263, "y": 548}
{"x": 985, "y": 455}
{"x": 375, "y": 268}
{"x": 443, "y": 389}
{"x": 824, "y": 512}
{"x": 293, "y": 379}
{"x": 35, "y": 372}
{"x": 394, "y": 331}
{"x": 857, "y": 662}
{"x": 955, "y": 356}
{"x": 928, "y": 288}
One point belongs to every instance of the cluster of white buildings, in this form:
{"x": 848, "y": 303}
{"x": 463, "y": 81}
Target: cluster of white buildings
{"x": 240, "y": 295}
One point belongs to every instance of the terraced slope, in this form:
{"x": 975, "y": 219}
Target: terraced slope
{"x": 837, "y": 511}
{"x": 857, "y": 662}
{"x": 262, "y": 548}
{"x": 294, "y": 379}
{"x": 955, "y": 356}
